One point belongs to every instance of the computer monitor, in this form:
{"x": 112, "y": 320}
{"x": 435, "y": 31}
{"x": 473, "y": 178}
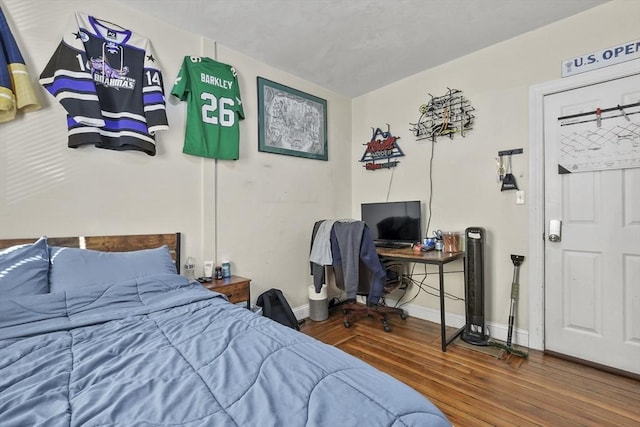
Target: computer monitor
{"x": 393, "y": 221}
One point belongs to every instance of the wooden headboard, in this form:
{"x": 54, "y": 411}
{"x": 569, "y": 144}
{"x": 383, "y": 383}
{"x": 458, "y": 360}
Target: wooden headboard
{"x": 123, "y": 243}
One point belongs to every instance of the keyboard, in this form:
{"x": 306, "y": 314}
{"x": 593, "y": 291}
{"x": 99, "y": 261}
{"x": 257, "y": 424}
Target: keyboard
{"x": 392, "y": 245}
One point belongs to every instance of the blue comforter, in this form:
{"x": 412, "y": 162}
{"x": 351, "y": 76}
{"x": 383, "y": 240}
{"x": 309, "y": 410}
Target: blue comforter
{"x": 163, "y": 352}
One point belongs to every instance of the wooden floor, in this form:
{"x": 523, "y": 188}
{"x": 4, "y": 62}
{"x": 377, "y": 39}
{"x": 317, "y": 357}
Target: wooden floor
{"x": 478, "y": 389}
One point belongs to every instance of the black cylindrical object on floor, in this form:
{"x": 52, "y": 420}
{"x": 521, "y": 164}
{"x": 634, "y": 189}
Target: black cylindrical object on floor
{"x": 475, "y": 330}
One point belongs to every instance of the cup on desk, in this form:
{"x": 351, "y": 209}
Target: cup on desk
{"x": 452, "y": 241}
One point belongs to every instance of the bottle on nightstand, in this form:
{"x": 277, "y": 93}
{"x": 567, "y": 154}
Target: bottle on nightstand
{"x": 226, "y": 269}
{"x": 190, "y": 269}
{"x": 208, "y": 269}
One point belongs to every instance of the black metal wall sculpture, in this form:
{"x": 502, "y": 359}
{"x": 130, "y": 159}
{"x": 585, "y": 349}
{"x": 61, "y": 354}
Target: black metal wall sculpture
{"x": 444, "y": 115}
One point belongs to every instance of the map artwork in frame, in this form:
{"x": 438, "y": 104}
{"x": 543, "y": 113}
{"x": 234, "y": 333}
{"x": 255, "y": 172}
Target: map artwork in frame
{"x": 291, "y": 122}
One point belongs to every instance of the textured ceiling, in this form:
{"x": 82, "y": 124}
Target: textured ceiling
{"x": 355, "y": 46}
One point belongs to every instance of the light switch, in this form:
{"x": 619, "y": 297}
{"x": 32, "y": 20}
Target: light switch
{"x": 520, "y": 197}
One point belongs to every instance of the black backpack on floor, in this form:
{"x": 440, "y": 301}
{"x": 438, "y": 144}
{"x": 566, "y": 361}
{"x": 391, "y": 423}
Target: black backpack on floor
{"x": 275, "y": 306}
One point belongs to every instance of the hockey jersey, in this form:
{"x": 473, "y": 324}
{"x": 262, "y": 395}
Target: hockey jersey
{"x": 214, "y": 107}
{"x": 107, "y": 79}
{"x": 16, "y": 90}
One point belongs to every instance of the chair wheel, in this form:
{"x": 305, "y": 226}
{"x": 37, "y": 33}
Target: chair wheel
{"x": 403, "y": 316}
{"x": 387, "y": 328}
{"x": 347, "y": 324}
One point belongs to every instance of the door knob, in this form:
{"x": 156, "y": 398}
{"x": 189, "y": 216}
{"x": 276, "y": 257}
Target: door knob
{"x": 555, "y": 230}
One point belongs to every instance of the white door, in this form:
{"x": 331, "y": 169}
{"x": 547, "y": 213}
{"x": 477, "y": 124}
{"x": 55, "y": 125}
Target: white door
{"x": 592, "y": 275}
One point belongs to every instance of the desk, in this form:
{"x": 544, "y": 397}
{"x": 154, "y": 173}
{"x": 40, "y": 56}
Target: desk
{"x": 435, "y": 258}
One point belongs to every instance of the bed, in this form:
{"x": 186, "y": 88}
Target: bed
{"x": 102, "y": 331}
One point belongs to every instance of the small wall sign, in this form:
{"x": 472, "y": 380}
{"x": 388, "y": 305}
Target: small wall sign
{"x": 592, "y": 61}
{"x": 381, "y": 147}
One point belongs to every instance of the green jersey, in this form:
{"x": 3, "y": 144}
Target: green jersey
{"x": 214, "y": 107}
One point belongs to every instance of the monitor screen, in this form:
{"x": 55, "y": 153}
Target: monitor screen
{"x": 393, "y": 221}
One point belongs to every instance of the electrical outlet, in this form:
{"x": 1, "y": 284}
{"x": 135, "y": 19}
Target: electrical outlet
{"x": 520, "y": 197}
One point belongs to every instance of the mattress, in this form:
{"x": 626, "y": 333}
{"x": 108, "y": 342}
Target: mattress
{"x": 161, "y": 351}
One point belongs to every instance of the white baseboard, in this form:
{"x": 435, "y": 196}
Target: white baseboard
{"x": 301, "y": 312}
{"x": 497, "y": 331}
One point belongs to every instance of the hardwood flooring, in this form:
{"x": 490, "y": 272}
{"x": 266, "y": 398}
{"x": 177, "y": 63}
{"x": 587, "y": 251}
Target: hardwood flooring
{"x": 477, "y": 389}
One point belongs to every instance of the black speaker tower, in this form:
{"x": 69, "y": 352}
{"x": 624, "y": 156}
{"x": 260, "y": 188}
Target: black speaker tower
{"x": 474, "y": 330}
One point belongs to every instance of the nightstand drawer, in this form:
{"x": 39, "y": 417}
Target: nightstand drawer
{"x": 236, "y": 288}
{"x": 236, "y": 292}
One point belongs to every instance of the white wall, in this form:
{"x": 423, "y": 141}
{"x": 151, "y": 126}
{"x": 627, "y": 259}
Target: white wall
{"x": 49, "y": 189}
{"x": 257, "y": 212}
{"x": 465, "y": 192}
{"x": 267, "y": 203}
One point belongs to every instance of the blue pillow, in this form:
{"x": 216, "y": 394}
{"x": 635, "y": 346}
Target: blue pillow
{"x": 72, "y": 268}
{"x": 24, "y": 269}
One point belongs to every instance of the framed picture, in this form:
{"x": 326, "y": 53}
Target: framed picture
{"x": 291, "y": 122}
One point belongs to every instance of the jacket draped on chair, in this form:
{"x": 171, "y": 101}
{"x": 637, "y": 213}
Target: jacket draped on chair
{"x": 345, "y": 245}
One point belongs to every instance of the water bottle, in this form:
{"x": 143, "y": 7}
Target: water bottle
{"x": 190, "y": 269}
{"x": 226, "y": 269}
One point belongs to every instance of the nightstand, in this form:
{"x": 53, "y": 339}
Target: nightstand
{"x": 236, "y": 288}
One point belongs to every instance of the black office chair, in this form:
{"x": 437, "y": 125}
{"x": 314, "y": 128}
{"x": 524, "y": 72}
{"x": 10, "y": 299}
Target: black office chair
{"x": 352, "y": 248}
{"x": 354, "y": 310}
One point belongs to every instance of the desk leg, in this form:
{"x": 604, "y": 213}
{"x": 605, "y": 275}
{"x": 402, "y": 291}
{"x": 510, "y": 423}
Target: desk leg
{"x": 443, "y": 326}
